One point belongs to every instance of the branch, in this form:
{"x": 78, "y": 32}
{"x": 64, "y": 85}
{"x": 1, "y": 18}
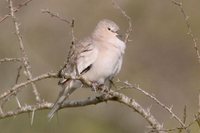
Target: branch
{"x": 168, "y": 109}
{"x": 18, "y": 74}
{"x": 130, "y": 29}
{"x": 130, "y": 102}
{"x": 19, "y": 86}
{"x": 190, "y": 32}
{"x": 56, "y": 15}
{"x": 71, "y": 22}
{"x": 26, "y": 109}
{"x": 108, "y": 95}
{"x": 22, "y": 49}
{"x": 47, "y": 105}
{"x": 10, "y": 60}
{"x": 15, "y": 10}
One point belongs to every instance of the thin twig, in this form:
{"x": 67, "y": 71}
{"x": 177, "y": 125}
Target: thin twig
{"x": 130, "y": 27}
{"x": 197, "y": 116}
{"x": 47, "y": 105}
{"x": 139, "y": 109}
{"x": 16, "y": 81}
{"x": 15, "y": 10}
{"x": 32, "y": 116}
{"x": 22, "y": 49}
{"x": 8, "y": 97}
{"x": 18, "y": 102}
{"x": 185, "y": 114}
{"x": 18, "y": 87}
{"x": 184, "y": 118}
{"x": 190, "y": 32}
{"x": 10, "y": 60}
{"x": 69, "y": 22}
{"x": 56, "y": 15}
{"x": 18, "y": 74}
{"x": 72, "y": 46}
{"x": 168, "y": 109}
{"x": 199, "y": 103}
{"x": 1, "y": 111}
{"x": 72, "y": 31}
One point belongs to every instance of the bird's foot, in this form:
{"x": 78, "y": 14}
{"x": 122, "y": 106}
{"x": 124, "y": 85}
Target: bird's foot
{"x": 95, "y": 86}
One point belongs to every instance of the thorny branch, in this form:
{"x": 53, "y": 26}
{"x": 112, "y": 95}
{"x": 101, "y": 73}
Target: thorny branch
{"x": 18, "y": 74}
{"x": 10, "y": 60}
{"x": 56, "y": 15}
{"x": 190, "y": 32}
{"x": 26, "y": 64}
{"x": 107, "y": 95}
{"x": 15, "y": 10}
{"x": 169, "y": 109}
{"x": 47, "y": 105}
{"x": 18, "y": 87}
{"x": 70, "y": 22}
{"x": 130, "y": 27}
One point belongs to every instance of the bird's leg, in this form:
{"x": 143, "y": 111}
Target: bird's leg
{"x": 104, "y": 88}
{"x": 112, "y": 84}
{"x": 95, "y": 86}
{"x": 100, "y": 87}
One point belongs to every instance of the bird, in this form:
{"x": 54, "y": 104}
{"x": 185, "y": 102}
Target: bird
{"x": 97, "y": 58}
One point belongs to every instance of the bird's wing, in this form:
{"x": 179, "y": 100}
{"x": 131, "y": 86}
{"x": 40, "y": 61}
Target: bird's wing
{"x": 80, "y": 59}
{"x": 86, "y": 56}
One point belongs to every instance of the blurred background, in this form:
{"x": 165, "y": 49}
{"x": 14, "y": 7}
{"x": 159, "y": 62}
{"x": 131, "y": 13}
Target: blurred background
{"x": 160, "y": 58}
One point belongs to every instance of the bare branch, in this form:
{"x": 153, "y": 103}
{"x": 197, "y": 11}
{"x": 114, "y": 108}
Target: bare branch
{"x": 32, "y": 116}
{"x": 185, "y": 114}
{"x": 1, "y": 111}
{"x": 47, "y": 105}
{"x": 16, "y": 81}
{"x": 130, "y": 102}
{"x": 130, "y": 29}
{"x": 10, "y": 60}
{"x": 108, "y": 95}
{"x": 56, "y": 15}
{"x": 15, "y": 10}
{"x": 18, "y": 74}
{"x": 199, "y": 103}
{"x": 168, "y": 109}
{"x": 22, "y": 49}
{"x": 190, "y": 32}
{"x": 139, "y": 109}
{"x": 18, "y": 102}
{"x": 19, "y": 86}
{"x": 26, "y": 109}
{"x": 72, "y": 24}
{"x": 197, "y": 116}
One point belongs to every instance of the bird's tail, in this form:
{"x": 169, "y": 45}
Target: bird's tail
{"x": 68, "y": 88}
{"x": 56, "y": 106}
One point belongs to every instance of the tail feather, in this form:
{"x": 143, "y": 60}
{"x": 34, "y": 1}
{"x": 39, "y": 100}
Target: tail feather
{"x": 68, "y": 88}
{"x": 56, "y": 106}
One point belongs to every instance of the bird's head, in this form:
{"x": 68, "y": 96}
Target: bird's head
{"x": 106, "y": 29}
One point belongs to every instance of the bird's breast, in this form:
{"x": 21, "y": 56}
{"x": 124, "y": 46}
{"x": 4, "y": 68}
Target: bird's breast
{"x": 107, "y": 62}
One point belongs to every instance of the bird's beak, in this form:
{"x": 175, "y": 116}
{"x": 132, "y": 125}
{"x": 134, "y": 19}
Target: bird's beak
{"x": 119, "y": 35}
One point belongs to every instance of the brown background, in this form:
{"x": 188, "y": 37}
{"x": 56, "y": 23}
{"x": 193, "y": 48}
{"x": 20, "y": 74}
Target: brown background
{"x": 160, "y": 58}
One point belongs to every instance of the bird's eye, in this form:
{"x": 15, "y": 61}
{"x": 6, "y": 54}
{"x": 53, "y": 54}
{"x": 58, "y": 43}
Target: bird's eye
{"x": 109, "y": 29}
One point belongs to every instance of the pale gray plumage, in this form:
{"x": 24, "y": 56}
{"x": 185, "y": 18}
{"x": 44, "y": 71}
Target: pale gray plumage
{"x": 97, "y": 58}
